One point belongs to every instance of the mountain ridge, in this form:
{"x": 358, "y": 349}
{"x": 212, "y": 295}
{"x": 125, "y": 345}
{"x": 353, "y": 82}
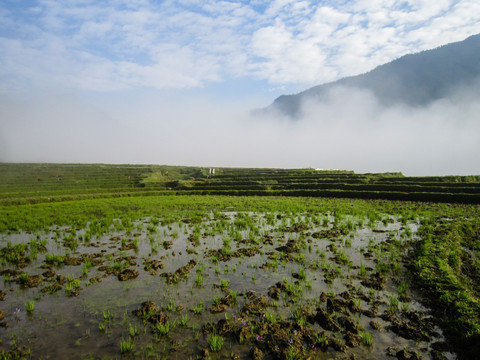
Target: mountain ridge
{"x": 414, "y": 79}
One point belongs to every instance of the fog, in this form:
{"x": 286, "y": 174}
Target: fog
{"x": 349, "y": 130}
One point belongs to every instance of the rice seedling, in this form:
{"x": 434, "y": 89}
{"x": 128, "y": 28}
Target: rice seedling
{"x": 126, "y": 346}
{"x": 163, "y": 328}
{"x": 101, "y": 326}
{"x": 215, "y": 342}
{"x": 320, "y": 338}
{"x": 133, "y": 330}
{"x": 29, "y": 306}
{"x": 233, "y": 294}
{"x": 362, "y": 272}
{"x": 199, "y": 279}
{"x": 197, "y": 309}
{"x": 224, "y": 284}
{"x": 183, "y": 322}
{"x": 302, "y": 274}
{"x": 366, "y": 338}
{"x": 402, "y": 288}
{"x": 171, "y": 305}
{"x": 107, "y": 315}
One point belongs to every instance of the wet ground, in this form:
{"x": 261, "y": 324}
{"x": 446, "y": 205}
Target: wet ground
{"x": 231, "y": 285}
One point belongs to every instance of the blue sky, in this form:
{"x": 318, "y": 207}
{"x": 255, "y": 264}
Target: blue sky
{"x": 283, "y": 45}
{"x": 129, "y": 61}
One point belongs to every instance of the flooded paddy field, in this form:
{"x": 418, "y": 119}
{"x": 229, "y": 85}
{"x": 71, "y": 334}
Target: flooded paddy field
{"x": 230, "y": 284}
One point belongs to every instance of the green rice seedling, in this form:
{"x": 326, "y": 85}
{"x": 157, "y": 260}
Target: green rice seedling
{"x": 29, "y": 306}
{"x": 197, "y": 309}
{"x": 126, "y": 346}
{"x": 367, "y": 339}
{"x": 302, "y": 321}
{"x": 302, "y": 274}
{"x": 224, "y": 284}
{"x": 358, "y": 303}
{"x": 133, "y": 330}
{"x": 273, "y": 264}
{"x": 199, "y": 279}
{"x": 320, "y": 338}
{"x": 215, "y": 342}
{"x": 405, "y": 307}
{"x": 163, "y": 329}
{"x": 217, "y": 270}
{"x": 342, "y": 258}
{"x": 106, "y": 315}
{"x": 216, "y": 301}
{"x": 394, "y": 302}
{"x": 23, "y": 277}
{"x": 362, "y": 272}
{"x": 348, "y": 242}
{"x": 101, "y": 326}
{"x": 68, "y": 288}
{"x": 402, "y": 288}
{"x": 84, "y": 270}
{"x": 171, "y": 305}
{"x": 183, "y": 322}
{"x": 233, "y": 294}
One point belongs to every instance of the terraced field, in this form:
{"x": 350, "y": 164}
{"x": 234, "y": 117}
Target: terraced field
{"x": 150, "y": 262}
{"x": 20, "y": 183}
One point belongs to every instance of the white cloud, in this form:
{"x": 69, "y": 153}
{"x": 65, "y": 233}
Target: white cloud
{"x": 183, "y": 44}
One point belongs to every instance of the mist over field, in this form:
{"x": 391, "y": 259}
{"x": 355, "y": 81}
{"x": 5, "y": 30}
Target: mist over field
{"x": 350, "y": 130}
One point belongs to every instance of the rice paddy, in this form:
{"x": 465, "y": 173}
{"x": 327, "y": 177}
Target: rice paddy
{"x": 188, "y": 277}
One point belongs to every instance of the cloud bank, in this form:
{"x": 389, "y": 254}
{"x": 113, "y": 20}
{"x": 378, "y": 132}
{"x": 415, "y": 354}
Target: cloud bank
{"x": 349, "y": 131}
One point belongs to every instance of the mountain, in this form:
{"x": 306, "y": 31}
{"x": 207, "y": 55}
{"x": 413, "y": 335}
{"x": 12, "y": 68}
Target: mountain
{"x": 415, "y": 79}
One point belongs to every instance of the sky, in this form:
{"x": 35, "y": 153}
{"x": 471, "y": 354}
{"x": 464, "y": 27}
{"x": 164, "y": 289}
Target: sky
{"x": 173, "y": 82}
